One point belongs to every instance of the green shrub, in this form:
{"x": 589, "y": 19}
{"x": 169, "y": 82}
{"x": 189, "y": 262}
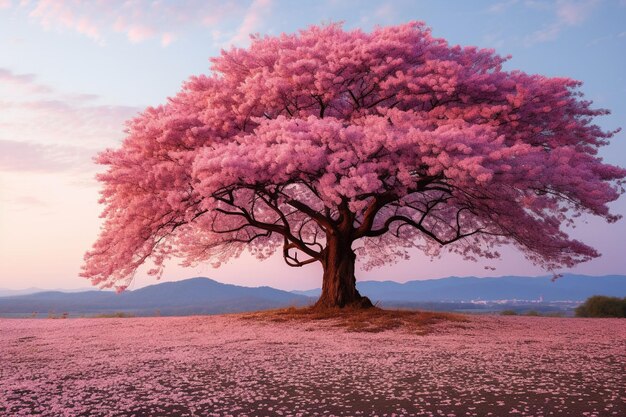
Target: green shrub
{"x": 508, "y": 313}
{"x": 116, "y": 315}
{"x": 533, "y": 313}
{"x": 602, "y": 306}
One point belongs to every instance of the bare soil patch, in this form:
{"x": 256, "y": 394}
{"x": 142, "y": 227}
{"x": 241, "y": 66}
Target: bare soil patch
{"x": 369, "y": 320}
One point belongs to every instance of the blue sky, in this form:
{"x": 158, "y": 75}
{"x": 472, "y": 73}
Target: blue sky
{"x": 71, "y": 72}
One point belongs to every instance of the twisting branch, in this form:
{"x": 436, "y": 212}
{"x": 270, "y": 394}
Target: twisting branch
{"x": 292, "y": 260}
{"x": 324, "y": 222}
{"x": 269, "y": 198}
{"x": 378, "y": 202}
{"x": 299, "y": 243}
{"x": 406, "y": 221}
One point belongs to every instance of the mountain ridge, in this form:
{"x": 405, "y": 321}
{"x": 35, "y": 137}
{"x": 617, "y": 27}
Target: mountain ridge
{"x": 197, "y": 295}
{"x": 570, "y": 287}
{"x": 202, "y": 295}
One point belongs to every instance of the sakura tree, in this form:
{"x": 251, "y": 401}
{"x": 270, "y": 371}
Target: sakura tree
{"x": 330, "y": 144}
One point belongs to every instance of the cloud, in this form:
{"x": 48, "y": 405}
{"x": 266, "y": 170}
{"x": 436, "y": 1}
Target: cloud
{"x": 494, "y": 40}
{"x": 167, "y": 38}
{"x": 567, "y": 13}
{"x": 29, "y": 201}
{"x": 32, "y": 113}
{"x": 44, "y": 130}
{"x": 5, "y": 4}
{"x": 573, "y": 13}
{"x": 82, "y": 97}
{"x": 545, "y": 34}
{"x": 62, "y": 121}
{"x": 138, "y": 20}
{"x": 67, "y": 14}
{"x": 137, "y": 34}
{"x": 501, "y": 6}
{"x": 17, "y": 156}
{"x": 607, "y": 39}
{"x": 25, "y": 82}
{"x": 255, "y": 15}
{"x": 385, "y": 12}
{"x": 600, "y": 40}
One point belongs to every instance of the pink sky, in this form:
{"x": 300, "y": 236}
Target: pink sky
{"x": 72, "y": 73}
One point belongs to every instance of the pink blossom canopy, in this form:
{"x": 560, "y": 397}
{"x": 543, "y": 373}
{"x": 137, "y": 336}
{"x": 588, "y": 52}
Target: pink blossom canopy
{"x": 399, "y": 138}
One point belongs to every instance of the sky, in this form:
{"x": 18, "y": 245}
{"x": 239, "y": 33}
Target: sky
{"x": 71, "y": 73}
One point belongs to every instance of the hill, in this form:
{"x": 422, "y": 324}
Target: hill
{"x": 187, "y": 297}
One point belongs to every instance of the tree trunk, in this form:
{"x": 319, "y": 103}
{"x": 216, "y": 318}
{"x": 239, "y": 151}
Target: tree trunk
{"x": 339, "y": 283}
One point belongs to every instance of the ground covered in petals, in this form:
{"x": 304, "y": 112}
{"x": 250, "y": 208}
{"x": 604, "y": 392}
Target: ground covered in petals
{"x": 243, "y": 366}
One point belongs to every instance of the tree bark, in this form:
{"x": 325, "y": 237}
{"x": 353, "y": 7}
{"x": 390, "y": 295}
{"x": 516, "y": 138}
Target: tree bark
{"x": 339, "y": 282}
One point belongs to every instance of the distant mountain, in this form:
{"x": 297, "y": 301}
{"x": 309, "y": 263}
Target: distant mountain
{"x": 205, "y": 296}
{"x": 314, "y": 292}
{"x": 453, "y": 289}
{"x": 4, "y": 292}
{"x": 190, "y": 296}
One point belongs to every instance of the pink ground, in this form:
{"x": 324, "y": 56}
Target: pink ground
{"x": 216, "y": 366}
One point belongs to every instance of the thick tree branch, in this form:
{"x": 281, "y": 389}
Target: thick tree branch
{"x": 323, "y": 221}
{"x": 378, "y": 202}
{"x": 283, "y": 229}
{"x": 406, "y": 221}
{"x": 292, "y": 260}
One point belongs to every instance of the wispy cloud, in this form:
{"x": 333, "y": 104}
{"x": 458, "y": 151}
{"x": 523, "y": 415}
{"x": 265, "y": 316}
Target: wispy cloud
{"x": 17, "y": 156}
{"x": 501, "y": 6}
{"x": 63, "y": 121}
{"x": 25, "y": 82}
{"x": 567, "y": 13}
{"x": 571, "y": 13}
{"x": 45, "y": 130}
{"x": 607, "y": 38}
{"x": 22, "y": 203}
{"x": 256, "y": 13}
{"x": 385, "y": 12}
{"x": 138, "y": 20}
{"x": 167, "y": 38}
{"x": 29, "y": 201}
{"x": 494, "y": 40}
{"x": 138, "y": 33}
